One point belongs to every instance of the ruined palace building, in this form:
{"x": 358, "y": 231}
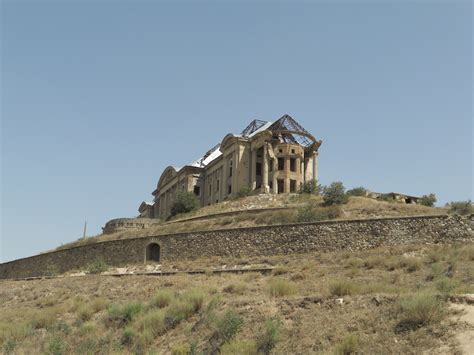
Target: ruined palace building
{"x": 266, "y": 157}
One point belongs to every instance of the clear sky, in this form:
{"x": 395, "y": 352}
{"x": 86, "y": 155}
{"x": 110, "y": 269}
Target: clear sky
{"x": 97, "y": 98}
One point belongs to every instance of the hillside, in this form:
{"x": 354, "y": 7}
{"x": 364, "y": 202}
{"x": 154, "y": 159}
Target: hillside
{"x": 386, "y": 300}
{"x": 261, "y": 210}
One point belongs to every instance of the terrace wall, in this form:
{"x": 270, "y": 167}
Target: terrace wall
{"x": 269, "y": 240}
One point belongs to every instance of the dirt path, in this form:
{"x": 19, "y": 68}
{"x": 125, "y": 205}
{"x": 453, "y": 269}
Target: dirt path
{"x": 466, "y": 335}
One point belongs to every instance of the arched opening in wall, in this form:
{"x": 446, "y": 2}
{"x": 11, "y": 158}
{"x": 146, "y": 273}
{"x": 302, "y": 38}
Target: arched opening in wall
{"x": 153, "y": 252}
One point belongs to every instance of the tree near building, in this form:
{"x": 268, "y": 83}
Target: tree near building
{"x": 311, "y": 187}
{"x": 185, "y": 202}
{"x": 335, "y": 194}
{"x": 428, "y": 200}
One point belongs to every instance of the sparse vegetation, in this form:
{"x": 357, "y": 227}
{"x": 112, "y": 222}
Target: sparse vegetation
{"x": 348, "y": 345}
{"x": 250, "y": 313}
{"x": 97, "y": 267}
{"x": 185, "y": 202}
{"x": 244, "y": 192}
{"x": 335, "y": 194}
{"x": 278, "y": 287}
{"x": 421, "y": 309}
{"x": 310, "y": 213}
{"x": 358, "y": 191}
{"x": 461, "y": 207}
{"x": 341, "y": 288}
{"x": 311, "y": 187}
{"x": 428, "y": 200}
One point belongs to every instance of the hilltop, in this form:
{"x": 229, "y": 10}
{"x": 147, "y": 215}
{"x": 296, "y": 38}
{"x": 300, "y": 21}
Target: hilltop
{"x": 264, "y": 209}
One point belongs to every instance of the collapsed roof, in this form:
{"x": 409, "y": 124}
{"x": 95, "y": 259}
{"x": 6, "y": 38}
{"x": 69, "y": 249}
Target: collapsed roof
{"x": 285, "y": 129}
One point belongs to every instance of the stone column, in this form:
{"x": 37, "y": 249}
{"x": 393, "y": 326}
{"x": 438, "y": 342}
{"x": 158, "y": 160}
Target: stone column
{"x": 265, "y": 170}
{"x": 225, "y": 175}
{"x": 223, "y": 185}
{"x": 253, "y": 170}
{"x": 315, "y": 166}
{"x": 274, "y": 176}
{"x": 235, "y": 171}
{"x": 287, "y": 175}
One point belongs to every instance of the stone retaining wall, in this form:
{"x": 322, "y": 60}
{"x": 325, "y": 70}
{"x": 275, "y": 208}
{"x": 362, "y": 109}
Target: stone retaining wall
{"x": 269, "y": 240}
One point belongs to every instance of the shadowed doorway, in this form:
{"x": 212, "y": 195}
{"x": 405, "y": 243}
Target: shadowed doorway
{"x": 153, "y": 252}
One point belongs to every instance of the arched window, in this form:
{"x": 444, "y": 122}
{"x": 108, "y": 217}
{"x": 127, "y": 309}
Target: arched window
{"x": 153, "y": 252}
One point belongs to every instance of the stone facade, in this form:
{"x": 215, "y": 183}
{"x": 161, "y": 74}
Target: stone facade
{"x": 265, "y": 158}
{"x": 123, "y": 224}
{"x": 269, "y": 240}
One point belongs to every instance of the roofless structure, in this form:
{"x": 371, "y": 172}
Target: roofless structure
{"x": 267, "y": 157}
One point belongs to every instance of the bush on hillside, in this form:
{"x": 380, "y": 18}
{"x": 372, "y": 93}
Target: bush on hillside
{"x": 335, "y": 194}
{"x": 358, "y": 191}
{"x": 311, "y": 187}
{"x": 97, "y": 267}
{"x": 460, "y": 207}
{"x": 244, "y": 192}
{"x": 310, "y": 213}
{"x": 185, "y": 202}
{"x": 428, "y": 200}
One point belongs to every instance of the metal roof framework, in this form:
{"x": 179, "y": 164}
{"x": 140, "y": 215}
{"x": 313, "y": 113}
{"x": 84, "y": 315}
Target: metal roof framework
{"x": 253, "y": 126}
{"x": 287, "y": 130}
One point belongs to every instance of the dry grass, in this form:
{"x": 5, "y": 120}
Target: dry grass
{"x": 292, "y": 312}
{"x": 358, "y": 207}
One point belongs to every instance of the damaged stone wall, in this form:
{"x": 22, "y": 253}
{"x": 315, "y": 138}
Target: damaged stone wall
{"x": 270, "y": 240}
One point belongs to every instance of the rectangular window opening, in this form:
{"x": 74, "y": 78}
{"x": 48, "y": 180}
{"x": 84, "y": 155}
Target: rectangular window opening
{"x": 281, "y": 164}
{"x": 292, "y": 164}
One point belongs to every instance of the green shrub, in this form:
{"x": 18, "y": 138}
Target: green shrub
{"x": 44, "y": 319}
{"x": 85, "y": 312}
{"x": 311, "y": 187}
{"x": 244, "y": 192}
{"x": 427, "y": 200}
{"x": 185, "y": 202}
{"x": 87, "y": 328}
{"x": 9, "y": 346}
{"x": 280, "y": 287}
{"x": 310, "y": 213}
{"x": 184, "y": 307}
{"x": 195, "y": 298}
{"x": 421, "y": 309}
{"x": 153, "y": 321}
{"x": 334, "y": 194}
{"x": 460, "y": 207}
{"x": 97, "y": 267}
{"x": 348, "y": 346}
{"x": 124, "y": 313}
{"x": 128, "y": 336}
{"x": 270, "y": 336}
{"x": 341, "y": 288}
{"x": 162, "y": 299}
{"x": 57, "y": 346}
{"x": 239, "y": 347}
{"x": 181, "y": 349}
{"x": 446, "y": 285}
{"x": 358, "y": 191}
{"x": 228, "y": 325}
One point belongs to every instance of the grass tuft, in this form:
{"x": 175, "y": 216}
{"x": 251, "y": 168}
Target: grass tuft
{"x": 278, "y": 287}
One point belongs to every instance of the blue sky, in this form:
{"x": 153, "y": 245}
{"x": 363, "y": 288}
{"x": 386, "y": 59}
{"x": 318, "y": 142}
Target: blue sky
{"x": 98, "y": 98}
